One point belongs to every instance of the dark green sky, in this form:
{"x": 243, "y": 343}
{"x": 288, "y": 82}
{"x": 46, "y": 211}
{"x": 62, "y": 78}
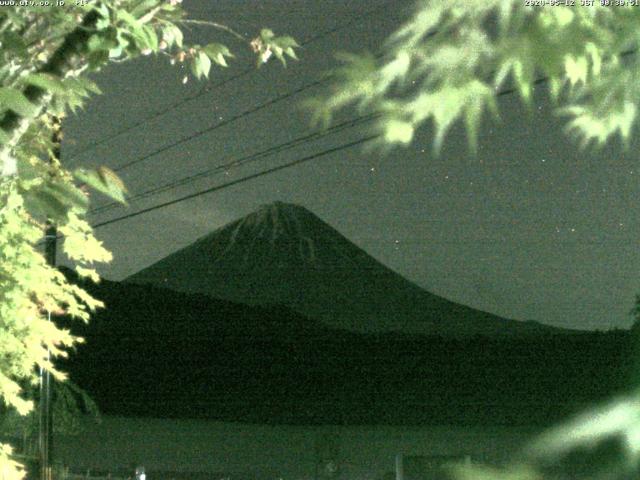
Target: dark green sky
{"x": 531, "y": 228}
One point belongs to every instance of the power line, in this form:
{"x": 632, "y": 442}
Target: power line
{"x": 228, "y": 121}
{"x": 244, "y": 160}
{"x": 237, "y": 117}
{"x": 214, "y": 127}
{"x": 218, "y": 125}
{"x": 274, "y": 169}
{"x": 271, "y": 170}
{"x": 240, "y": 180}
{"x": 265, "y": 172}
{"x": 203, "y": 91}
{"x": 210, "y": 88}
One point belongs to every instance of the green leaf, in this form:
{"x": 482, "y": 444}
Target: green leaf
{"x": 476, "y": 95}
{"x": 205, "y": 63}
{"x": 150, "y": 37}
{"x": 53, "y": 198}
{"x": 172, "y": 35}
{"x": 278, "y": 46}
{"x": 89, "y": 273}
{"x": 291, "y": 52}
{"x": 69, "y": 195}
{"x": 77, "y": 89}
{"x": 47, "y": 82}
{"x": 144, "y": 35}
{"x": 590, "y": 126}
{"x": 129, "y": 19}
{"x": 179, "y": 37}
{"x": 46, "y": 203}
{"x": 116, "y": 52}
{"x": 105, "y": 19}
{"x": 398, "y": 131}
{"x": 201, "y": 65}
{"x": 266, "y": 35}
{"x": 523, "y": 75}
{"x": 123, "y": 39}
{"x": 83, "y": 85}
{"x": 277, "y": 52}
{"x": 13, "y": 99}
{"x": 576, "y": 69}
{"x": 105, "y": 181}
{"x": 196, "y": 67}
{"x": 143, "y": 7}
{"x": 285, "y": 42}
{"x": 217, "y": 52}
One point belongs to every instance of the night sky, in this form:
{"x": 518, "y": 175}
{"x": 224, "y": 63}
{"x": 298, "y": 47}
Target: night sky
{"x": 530, "y": 228}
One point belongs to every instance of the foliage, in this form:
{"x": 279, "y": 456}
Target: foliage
{"x": 267, "y": 44}
{"x": 70, "y": 405}
{"x": 45, "y": 53}
{"x": 9, "y": 468}
{"x": 602, "y": 443}
{"x": 450, "y": 60}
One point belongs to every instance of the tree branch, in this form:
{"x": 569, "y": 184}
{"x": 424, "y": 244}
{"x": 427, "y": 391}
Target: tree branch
{"x": 60, "y": 64}
{"x": 219, "y": 26}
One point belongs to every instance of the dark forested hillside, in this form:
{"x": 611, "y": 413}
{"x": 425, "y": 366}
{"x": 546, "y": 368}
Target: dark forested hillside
{"x": 159, "y": 353}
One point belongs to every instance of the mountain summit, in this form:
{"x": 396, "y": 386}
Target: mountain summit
{"x": 284, "y": 254}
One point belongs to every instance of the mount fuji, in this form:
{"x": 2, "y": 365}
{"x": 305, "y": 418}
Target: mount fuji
{"x": 284, "y": 254}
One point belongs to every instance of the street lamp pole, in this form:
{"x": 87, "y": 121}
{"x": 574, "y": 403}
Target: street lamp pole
{"x": 46, "y": 418}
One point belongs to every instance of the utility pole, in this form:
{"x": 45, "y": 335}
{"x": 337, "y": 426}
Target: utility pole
{"x": 46, "y": 418}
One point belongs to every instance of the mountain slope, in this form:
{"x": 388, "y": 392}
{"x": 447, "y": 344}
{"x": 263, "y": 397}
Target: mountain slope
{"x": 284, "y": 254}
{"x": 154, "y": 352}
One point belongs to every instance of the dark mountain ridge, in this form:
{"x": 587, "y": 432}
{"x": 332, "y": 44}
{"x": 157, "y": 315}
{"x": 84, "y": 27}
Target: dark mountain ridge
{"x": 284, "y": 254}
{"x": 155, "y": 352}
